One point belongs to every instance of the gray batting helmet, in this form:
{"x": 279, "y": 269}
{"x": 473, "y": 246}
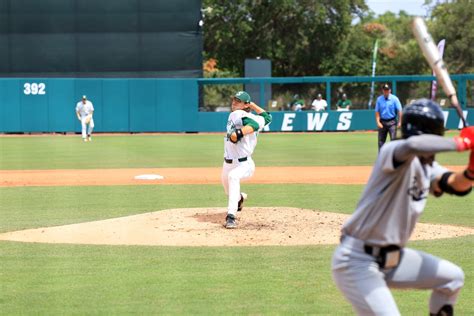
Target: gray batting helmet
{"x": 422, "y": 117}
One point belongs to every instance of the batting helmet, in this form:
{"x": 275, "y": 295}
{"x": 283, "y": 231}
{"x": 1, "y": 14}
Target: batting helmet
{"x": 422, "y": 117}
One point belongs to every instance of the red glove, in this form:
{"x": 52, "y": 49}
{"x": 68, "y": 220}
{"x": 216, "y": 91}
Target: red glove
{"x": 465, "y": 140}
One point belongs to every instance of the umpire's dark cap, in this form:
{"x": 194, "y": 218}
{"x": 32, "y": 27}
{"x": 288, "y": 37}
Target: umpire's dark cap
{"x": 386, "y": 86}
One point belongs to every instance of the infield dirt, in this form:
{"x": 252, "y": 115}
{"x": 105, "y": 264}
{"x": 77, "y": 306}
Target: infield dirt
{"x": 204, "y": 226}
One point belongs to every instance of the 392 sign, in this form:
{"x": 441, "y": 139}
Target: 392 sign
{"x": 33, "y": 88}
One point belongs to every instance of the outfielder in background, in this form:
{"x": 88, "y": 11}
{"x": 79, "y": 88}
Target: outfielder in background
{"x": 387, "y": 108}
{"x": 372, "y": 256}
{"x": 84, "y": 112}
{"x": 239, "y": 144}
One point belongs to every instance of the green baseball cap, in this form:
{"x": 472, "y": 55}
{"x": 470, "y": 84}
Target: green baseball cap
{"x": 243, "y": 96}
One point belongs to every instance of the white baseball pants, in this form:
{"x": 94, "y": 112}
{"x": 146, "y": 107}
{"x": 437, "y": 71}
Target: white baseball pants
{"x": 366, "y": 286}
{"x": 232, "y": 174}
{"x": 86, "y": 131}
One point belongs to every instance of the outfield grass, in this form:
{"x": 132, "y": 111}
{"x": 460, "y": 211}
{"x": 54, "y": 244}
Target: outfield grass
{"x": 77, "y": 279}
{"x": 201, "y": 150}
{"x": 82, "y": 279}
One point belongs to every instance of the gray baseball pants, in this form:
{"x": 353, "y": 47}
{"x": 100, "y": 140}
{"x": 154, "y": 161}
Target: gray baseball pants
{"x": 389, "y": 127}
{"x": 366, "y": 286}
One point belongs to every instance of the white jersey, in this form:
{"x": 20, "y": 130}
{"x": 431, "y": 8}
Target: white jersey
{"x": 84, "y": 109}
{"x": 393, "y": 199}
{"x": 246, "y": 145}
{"x": 319, "y": 105}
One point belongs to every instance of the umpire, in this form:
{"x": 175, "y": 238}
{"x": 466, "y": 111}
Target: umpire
{"x": 386, "y": 110}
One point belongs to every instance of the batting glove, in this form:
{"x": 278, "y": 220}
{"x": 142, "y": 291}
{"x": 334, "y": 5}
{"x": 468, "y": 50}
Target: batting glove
{"x": 465, "y": 140}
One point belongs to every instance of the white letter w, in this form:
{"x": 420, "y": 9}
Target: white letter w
{"x": 316, "y": 121}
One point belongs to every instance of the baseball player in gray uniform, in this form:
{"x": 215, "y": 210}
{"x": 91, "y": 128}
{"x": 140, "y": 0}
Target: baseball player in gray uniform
{"x": 84, "y": 112}
{"x": 239, "y": 144}
{"x": 372, "y": 256}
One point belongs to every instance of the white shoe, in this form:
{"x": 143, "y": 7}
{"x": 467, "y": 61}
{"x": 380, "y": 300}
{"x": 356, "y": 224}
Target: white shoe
{"x": 90, "y": 138}
{"x": 84, "y": 139}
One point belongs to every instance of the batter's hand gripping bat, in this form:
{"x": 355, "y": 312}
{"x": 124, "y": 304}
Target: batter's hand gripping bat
{"x": 432, "y": 55}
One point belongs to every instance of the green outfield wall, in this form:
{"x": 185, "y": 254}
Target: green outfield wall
{"x": 36, "y": 105}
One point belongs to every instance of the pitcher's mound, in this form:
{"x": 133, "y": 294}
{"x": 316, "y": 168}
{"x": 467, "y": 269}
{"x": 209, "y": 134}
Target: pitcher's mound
{"x": 205, "y": 227}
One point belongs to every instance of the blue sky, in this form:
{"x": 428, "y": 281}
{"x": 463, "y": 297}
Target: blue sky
{"x": 412, "y": 7}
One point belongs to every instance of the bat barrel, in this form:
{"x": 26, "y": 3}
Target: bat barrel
{"x": 432, "y": 55}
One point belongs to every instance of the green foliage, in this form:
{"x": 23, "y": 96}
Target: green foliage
{"x": 312, "y": 38}
{"x": 454, "y": 22}
{"x": 398, "y": 51}
{"x": 353, "y": 55}
{"x": 218, "y": 95}
{"x": 296, "y": 35}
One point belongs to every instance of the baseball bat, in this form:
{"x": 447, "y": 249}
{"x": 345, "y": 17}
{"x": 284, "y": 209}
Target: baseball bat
{"x": 432, "y": 55}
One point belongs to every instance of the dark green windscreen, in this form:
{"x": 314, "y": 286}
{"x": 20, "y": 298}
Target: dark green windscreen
{"x": 100, "y": 38}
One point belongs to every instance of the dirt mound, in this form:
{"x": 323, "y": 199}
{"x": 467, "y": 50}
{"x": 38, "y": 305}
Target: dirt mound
{"x": 258, "y": 226}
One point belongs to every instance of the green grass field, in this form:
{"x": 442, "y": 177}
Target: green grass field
{"x": 79, "y": 279}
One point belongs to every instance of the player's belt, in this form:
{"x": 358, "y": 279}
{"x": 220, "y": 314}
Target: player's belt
{"x": 231, "y": 160}
{"x": 386, "y": 120}
{"x": 386, "y": 257}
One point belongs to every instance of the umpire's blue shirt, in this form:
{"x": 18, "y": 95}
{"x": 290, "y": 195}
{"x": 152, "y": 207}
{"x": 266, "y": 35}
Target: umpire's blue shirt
{"x": 388, "y": 108}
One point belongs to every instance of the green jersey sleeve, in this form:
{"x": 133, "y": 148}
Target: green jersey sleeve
{"x": 267, "y": 117}
{"x": 248, "y": 121}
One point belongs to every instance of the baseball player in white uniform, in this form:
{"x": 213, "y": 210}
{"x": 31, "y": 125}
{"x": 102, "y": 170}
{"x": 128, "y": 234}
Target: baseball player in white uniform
{"x": 372, "y": 256}
{"x": 239, "y": 144}
{"x": 84, "y": 112}
{"x": 319, "y": 104}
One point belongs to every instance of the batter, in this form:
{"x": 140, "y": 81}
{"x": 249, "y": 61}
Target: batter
{"x": 239, "y": 144}
{"x": 84, "y": 112}
{"x": 372, "y": 256}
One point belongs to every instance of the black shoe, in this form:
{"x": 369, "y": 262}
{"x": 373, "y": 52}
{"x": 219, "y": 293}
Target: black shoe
{"x": 230, "y": 221}
{"x": 243, "y": 197}
{"x": 446, "y": 310}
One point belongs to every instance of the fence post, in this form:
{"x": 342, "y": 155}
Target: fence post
{"x": 262, "y": 95}
{"x": 328, "y": 94}
{"x": 462, "y": 91}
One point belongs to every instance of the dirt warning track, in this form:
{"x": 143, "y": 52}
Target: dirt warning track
{"x": 264, "y": 175}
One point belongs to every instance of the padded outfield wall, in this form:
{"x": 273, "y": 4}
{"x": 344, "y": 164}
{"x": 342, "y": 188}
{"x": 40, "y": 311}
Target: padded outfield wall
{"x": 35, "y": 105}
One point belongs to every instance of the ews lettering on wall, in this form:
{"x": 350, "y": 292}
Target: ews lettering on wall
{"x": 338, "y": 121}
{"x": 315, "y": 122}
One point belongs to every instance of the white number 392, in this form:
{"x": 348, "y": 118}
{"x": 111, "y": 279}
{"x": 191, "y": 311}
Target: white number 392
{"x": 34, "y": 88}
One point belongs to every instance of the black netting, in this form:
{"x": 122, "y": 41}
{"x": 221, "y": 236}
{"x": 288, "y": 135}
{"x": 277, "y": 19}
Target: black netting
{"x": 100, "y": 38}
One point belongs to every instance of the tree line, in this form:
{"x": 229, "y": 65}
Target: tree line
{"x": 330, "y": 38}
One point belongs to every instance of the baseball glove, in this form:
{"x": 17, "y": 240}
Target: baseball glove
{"x": 238, "y": 136}
{"x": 88, "y": 119}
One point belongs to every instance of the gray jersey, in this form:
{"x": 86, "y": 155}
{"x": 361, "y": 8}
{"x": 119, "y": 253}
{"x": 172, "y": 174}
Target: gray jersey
{"x": 393, "y": 199}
